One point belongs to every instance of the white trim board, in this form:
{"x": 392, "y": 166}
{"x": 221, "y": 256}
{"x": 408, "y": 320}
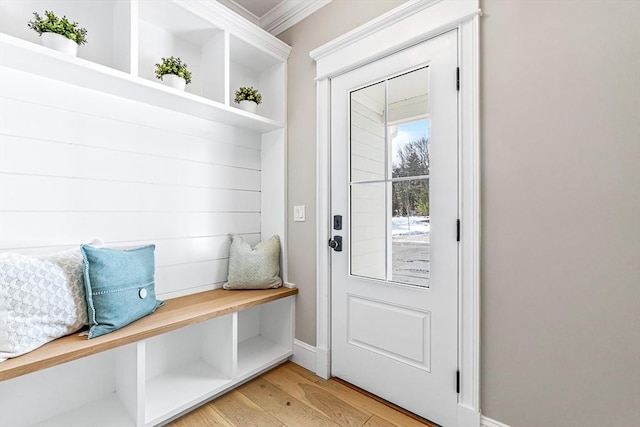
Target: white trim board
{"x": 304, "y": 355}
{"x": 375, "y": 39}
{"x": 310, "y": 357}
{"x": 488, "y": 422}
{"x": 411, "y": 23}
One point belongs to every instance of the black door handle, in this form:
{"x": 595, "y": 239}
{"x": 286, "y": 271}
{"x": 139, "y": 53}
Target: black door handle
{"x": 336, "y": 243}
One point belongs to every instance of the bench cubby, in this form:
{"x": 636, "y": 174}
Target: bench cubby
{"x": 186, "y": 366}
{"x": 263, "y": 334}
{"x": 147, "y": 373}
{"x": 93, "y": 387}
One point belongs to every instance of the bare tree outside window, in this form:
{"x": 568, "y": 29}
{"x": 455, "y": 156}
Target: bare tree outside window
{"x": 410, "y": 204}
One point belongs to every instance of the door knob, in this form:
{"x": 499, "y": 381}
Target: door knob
{"x": 336, "y": 243}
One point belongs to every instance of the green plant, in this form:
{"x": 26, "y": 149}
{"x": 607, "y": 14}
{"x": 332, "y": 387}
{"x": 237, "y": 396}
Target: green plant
{"x": 52, "y": 24}
{"x": 248, "y": 94}
{"x": 175, "y": 66}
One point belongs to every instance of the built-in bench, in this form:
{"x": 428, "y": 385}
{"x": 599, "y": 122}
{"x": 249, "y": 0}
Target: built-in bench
{"x": 190, "y": 350}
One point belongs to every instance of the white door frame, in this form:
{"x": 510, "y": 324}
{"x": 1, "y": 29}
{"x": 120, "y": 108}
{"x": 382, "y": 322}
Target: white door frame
{"x": 406, "y": 25}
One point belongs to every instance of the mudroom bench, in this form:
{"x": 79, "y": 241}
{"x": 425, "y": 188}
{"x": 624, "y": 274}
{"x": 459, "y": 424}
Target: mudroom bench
{"x": 190, "y": 350}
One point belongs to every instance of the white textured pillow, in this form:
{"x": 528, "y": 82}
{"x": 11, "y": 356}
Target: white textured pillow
{"x": 41, "y": 299}
{"x": 254, "y": 268}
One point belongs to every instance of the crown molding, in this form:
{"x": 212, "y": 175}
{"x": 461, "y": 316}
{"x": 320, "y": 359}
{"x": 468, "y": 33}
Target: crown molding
{"x": 288, "y": 13}
{"x": 282, "y": 17}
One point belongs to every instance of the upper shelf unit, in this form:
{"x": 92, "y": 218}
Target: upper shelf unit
{"x": 126, "y": 38}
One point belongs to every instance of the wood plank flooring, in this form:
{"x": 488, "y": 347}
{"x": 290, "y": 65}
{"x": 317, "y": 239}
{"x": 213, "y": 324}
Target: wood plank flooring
{"x": 291, "y": 396}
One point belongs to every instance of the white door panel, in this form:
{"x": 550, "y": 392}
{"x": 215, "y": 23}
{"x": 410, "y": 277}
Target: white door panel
{"x": 395, "y": 283}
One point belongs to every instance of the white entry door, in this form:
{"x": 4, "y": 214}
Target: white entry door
{"x": 394, "y": 203}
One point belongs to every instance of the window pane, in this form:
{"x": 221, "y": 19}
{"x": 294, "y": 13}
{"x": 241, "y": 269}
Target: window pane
{"x": 368, "y": 230}
{"x": 408, "y": 121}
{"x": 410, "y": 232}
{"x": 368, "y": 133}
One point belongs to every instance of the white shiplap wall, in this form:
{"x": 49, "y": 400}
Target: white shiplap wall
{"x": 77, "y": 164}
{"x": 368, "y": 202}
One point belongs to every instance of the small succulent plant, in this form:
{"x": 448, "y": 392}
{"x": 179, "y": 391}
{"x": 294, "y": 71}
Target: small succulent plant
{"x": 50, "y": 23}
{"x": 175, "y": 66}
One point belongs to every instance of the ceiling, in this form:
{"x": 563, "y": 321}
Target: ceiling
{"x": 258, "y": 7}
{"x": 274, "y": 16}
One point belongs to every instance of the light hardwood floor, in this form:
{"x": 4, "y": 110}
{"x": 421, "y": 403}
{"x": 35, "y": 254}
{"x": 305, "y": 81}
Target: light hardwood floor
{"x": 291, "y": 396}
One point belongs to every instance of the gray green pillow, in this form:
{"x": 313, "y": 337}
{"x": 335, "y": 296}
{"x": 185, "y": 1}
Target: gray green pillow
{"x": 254, "y": 268}
{"x": 119, "y": 286}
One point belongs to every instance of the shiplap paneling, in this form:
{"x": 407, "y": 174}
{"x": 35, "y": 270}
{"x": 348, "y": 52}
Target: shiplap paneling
{"x": 21, "y": 155}
{"x": 176, "y": 279}
{"x": 368, "y": 201}
{"x": 213, "y": 149}
{"x": 367, "y": 143}
{"x": 39, "y": 193}
{"x": 28, "y": 228}
{"x": 76, "y": 164}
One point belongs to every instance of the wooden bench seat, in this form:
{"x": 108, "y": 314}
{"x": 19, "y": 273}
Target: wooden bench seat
{"x": 176, "y": 313}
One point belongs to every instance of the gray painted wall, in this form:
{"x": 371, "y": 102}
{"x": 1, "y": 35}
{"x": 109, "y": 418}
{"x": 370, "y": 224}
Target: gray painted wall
{"x": 561, "y": 203}
{"x": 561, "y": 212}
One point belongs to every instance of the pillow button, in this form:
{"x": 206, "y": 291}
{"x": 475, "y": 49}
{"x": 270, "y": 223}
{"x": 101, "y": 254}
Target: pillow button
{"x": 142, "y": 293}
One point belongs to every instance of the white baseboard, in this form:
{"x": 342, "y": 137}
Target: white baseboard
{"x": 312, "y": 358}
{"x": 488, "y": 422}
{"x": 304, "y": 355}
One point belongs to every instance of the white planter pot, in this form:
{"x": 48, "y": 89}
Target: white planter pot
{"x": 249, "y": 106}
{"x": 174, "y": 81}
{"x": 59, "y": 43}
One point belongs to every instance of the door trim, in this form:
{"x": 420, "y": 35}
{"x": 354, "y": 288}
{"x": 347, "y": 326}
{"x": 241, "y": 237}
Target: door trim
{"x": 365, "y": 44}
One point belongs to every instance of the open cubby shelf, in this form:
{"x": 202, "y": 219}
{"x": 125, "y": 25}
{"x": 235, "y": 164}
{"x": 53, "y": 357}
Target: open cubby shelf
{"x": 192, "y": 349}
{"x": 126, "y": 38}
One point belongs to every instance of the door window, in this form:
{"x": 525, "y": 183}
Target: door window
{"x": 389, "y": 149}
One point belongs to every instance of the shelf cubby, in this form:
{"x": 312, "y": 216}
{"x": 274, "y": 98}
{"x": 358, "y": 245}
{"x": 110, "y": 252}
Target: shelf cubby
{"x": 187, "y": 366}
{"x": 265, "y": 334}
{"x": 22, "y": 56}
{"x": 108, "y": 24}
{"x": 252, "y": 66}
{"x": 126, "y": 38}
{"x": 166, "y": 29}
{"x": 102, "y": 386}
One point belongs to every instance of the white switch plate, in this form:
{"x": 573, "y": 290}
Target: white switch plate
{"x": 298, "y": 213}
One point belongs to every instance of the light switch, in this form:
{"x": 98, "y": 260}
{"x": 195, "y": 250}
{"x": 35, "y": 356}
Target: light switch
{"x": 298, "y": 213}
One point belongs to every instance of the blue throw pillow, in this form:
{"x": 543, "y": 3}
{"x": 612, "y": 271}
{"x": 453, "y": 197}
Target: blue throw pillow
{"x": 119, "y": 286}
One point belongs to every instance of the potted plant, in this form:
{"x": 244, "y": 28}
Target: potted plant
{"x": 59, "y": 34}
{"x": 173, "y": 72}
{"x": 248, "y": 98}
